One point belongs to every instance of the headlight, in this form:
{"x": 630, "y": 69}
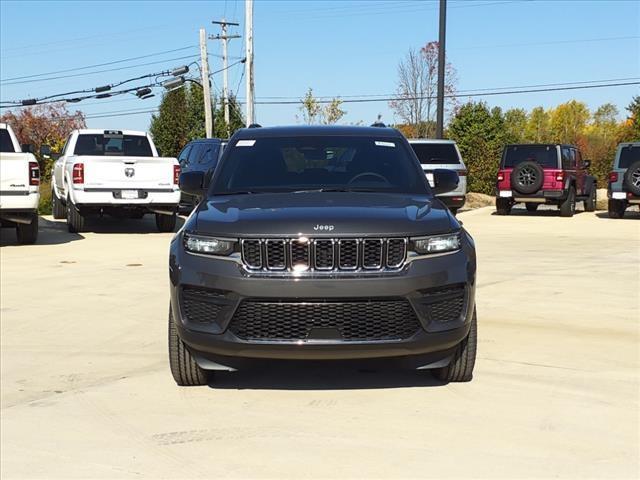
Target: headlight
{"x": 437, "y": 243}
{"x": 207, "y": 245}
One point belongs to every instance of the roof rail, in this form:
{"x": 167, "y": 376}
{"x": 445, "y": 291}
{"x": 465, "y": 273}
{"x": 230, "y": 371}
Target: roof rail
{"x": 255, "y": 125}
{"x": 378, "y": 124}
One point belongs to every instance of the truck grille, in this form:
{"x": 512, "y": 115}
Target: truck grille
{"x": 348, "y": 320}
{"x": 347, "y": 254}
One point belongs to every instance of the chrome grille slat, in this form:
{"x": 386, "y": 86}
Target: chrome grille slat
{"x": 324, "y": 254}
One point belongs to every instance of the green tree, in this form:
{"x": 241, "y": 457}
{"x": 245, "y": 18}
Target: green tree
{"x": 538, "y": 129}
{"x": 515, "y": 122}
{"x": 236, "y": 119}
{"x": 332, "y": 112}
{"x": 310, "y": 108}
{"x": 480, "y": 135}
{"x": 568, "y": 121}
{"x": 631, "y": 131}
{"x": 170, "y": 127}
{"x": 195, "y": 111}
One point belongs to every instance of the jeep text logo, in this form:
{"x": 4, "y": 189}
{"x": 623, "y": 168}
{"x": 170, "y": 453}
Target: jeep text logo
{"x": 327, "y": 228}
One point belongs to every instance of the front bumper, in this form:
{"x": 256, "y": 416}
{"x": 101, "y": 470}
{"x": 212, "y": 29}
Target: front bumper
{"x": 214, "y": 344}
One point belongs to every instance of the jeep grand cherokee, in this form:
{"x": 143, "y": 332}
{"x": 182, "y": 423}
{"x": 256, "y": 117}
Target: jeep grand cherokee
{"x": 321, "y": 243}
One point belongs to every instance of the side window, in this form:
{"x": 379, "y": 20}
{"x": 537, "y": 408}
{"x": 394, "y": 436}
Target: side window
{"x": 567, "y": 158}
{"x": 205, "y": 157}
{"x": 184, "y": 154}
{"x": 195, "y": 154}
{"x": 66, "y": 145}
{"x": 578, "y": 158}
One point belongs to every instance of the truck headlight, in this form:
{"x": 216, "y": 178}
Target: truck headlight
{"x": 208, "y": 245}
{"x": 437, "y": 243}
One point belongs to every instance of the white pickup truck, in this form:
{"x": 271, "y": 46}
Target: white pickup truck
{"x": 19, "y": 187}
{"x": 114, "y": 172}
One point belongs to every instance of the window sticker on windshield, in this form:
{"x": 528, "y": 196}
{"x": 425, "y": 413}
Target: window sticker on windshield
{"x": 245, "y": 143}
{"x": 385, "y": 144}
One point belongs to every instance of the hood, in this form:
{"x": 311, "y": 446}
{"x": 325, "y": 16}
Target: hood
{"x": 330, "y": 214}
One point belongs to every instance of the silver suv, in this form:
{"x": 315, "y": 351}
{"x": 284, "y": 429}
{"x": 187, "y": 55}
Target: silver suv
{"x": 442, "y": 154}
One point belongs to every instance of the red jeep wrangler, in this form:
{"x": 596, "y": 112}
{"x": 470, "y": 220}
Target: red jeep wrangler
{"x": 537, "y": 174}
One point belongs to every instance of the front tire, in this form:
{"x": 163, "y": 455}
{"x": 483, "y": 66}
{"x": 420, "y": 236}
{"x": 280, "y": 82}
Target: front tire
{"x": 75, "y": 221}
{"x": 464, "y": 359}
{"x": 27, "y": 233}
{"x": 184, "y": 368}
{"x": 503, "y": 206}
{"x": 616, "y": 208}
{"x": 568, "y": 207}
{"x": 57, "y": 207}
{"x": 531, "y": 207}
{"x": 166, "y": 223}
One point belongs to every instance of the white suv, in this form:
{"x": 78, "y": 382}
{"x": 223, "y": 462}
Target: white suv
{"x": 442, "y": 154}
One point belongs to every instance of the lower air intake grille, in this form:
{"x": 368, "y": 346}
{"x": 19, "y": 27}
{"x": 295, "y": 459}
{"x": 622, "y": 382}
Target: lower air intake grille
{"x": 200, "y": 306}
{"x": 444, "y": 304}
{"x": 356, "y": 320}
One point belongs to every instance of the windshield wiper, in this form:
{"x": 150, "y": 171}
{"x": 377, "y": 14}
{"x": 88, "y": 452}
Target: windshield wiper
{"x": 239, "y": 192}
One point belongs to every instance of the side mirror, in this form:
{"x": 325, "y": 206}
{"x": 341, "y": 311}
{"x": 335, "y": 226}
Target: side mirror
{"x": 444, "y": 181}
{"x": 192, "y": 183}
{"x": 27, "y": 148}
{"x": 586, "y": 164}
{"x": 45, "y": 150}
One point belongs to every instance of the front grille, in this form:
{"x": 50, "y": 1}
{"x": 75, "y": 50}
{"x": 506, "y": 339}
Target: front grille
{"x": 322, "y": 254}
{"x": 444, "y": 304}
{"x": 201, "y": 306}
{"x": 354, "y": 320}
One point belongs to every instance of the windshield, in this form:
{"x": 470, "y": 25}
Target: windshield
{"x": 344, "y": 163}
{"x": 628, "y": 155}
{"x": 100, "y": 144}
{"x": 436, "y": 153}
{"x": 543, "y": 155}
{"x": 6, "y": 145}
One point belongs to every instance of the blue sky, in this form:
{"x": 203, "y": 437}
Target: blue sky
{"x": 339, "y": 48}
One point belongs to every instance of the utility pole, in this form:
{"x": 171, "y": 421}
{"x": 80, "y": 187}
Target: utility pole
{"x": 206, "y": 86}
{"x": 249, "y": 63}
{"x": 225, "y": 66}
{"x": 441, "y": 66}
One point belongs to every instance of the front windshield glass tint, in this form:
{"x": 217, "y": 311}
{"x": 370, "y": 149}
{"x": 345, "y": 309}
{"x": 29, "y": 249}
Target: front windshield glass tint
{"x": 349, "y": 163}
{"x": 99, "y": 144}
{"x": 543, "y": 155}
{"x": 628, "y": 155}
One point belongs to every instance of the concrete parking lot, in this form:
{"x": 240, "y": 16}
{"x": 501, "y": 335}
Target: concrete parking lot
{"x": 86, "y": 388}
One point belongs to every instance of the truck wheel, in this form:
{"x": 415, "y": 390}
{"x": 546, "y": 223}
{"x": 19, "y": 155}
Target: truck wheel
{"x": 616, "y": 208}
{"x": 590, "y": 202}
{"x": 75, "y": 221}
{"x": 57, "y": 207}
{"x": 166, "y": 223}
{"x": 568, "y": 207}
{"x": 503, "y": 206}
{"x": 461, "y": 367}
{"x": 27, "y": 233}
{"x": 531, "y": 207}
{"x": 184, "y": 368}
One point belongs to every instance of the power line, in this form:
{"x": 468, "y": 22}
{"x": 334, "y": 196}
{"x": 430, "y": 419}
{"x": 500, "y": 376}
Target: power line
{"x": 86, "y": 67}
{"x": 103, "y": 71}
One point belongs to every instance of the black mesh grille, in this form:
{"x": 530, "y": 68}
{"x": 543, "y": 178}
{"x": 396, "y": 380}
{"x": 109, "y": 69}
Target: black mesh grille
{"x": 445, "y": 304}
{"x": 372, "y": 253}
{"x": 361, "y": 320}
{"x": 348, "y": 257}
{"x": 199, "y": 306}
{"x": 251, "y": 252}
{"x": 396, "y": 251}
{"x": 276, "y": 258}
{"x": 324, "y": 254}
{"x": 299, "y": 254}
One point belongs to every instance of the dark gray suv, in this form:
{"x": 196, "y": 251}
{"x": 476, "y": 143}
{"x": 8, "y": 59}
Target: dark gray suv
{"x": 321, "y": 243}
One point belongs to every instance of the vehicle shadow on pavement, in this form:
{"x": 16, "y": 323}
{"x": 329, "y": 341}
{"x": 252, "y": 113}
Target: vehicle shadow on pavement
{"x": 322, "y": 378}
{"x": 108, "y": 224}
{"x": 49, "y": 233}
{"x": 628, "y": 215}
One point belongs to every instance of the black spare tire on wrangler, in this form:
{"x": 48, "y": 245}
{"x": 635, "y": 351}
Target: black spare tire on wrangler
{"x": 632, "y": 178}
{"x": 527, "y": 178}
